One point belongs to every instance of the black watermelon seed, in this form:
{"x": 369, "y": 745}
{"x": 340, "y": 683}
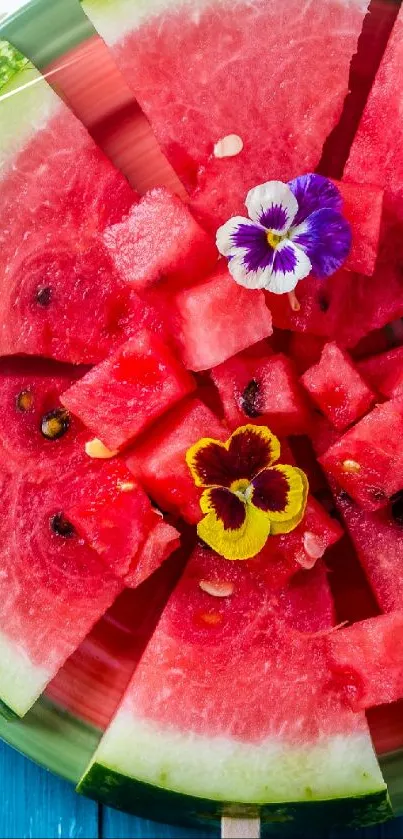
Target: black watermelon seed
{"x": 323, "y": 302}
{"x": 61, "y": 526}
{"x": 43, "y": 296}
{"x": 24, "y": 400}
{"x": 397, "y": 507}
{"x": 55, "y": 423}
{"x": 250, "y": 399}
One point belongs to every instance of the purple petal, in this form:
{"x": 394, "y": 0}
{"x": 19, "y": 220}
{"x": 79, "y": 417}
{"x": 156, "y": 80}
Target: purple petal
{"x": 326, "y": 239}
{"x": 285, "y": 260}
{"x": 273, "y": 205}
{"x": 274, "y": 217}
{"x": 257, "y": 253}
{"x": 314, "y": 192}
{"x": 290, "y": 264}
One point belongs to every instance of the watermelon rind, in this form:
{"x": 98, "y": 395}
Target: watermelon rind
{"x": 139, "y": 765}
{"x": 21, "y": 681}
{"x": 113, "y": 19}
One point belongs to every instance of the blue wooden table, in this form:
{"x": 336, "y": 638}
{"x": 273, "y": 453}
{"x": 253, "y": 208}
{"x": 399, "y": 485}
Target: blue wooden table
{"x": 37, "y": 805}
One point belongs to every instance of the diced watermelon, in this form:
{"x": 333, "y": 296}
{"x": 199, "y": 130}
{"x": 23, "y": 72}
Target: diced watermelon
{"x": 114, "y": 516}
{"x": 159, "y": 240}
{"x": 219, "y": 319}
{"x": 121, "y": 396}
{"x": 367, "y": 461}
{"x": 367, "y": 661}
{"x": 161, "y": 541}
{"x": 309, "y": 541}
{"x": 362, "y": 206}
{"x": 159, "y": 462}
{"x": 384, "y": 372}
{"x": 262, "y": 389}
{"x": 336, "y": 386}
{"x": 305, "y": 350}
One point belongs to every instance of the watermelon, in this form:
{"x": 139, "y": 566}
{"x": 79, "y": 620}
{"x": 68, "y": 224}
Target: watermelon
{"x": 384, "y": 372}
{"x": 337, "y": 388}
{"x": 362, "y": 206}
{"x": 162, "y": 540}
{"x": 367, "y": 460}
{"x": 159, "y": 240}
{"x": 158, "y": 461}
{"x": 263, "y": 389}
{"x": 61, "y": 296}
{"x": 305, "y": 350}
{"x": 118, "y": 398}
{"x": 219, "y": 319}
{"x": 209, "y": 720}
{"x": 190, "y": 68}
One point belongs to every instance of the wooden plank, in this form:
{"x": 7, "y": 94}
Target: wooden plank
{"x": 115, "y": 825}
{"x": 240, "y": 828}
{"x": 39, "y": 805}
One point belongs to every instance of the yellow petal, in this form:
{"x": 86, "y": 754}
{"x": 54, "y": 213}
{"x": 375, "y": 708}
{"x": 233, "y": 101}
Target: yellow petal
{"x": 240, "y": 542}
{"x": 287, "y": 525}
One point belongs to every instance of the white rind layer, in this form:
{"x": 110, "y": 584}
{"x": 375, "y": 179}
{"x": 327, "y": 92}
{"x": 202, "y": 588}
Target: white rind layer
{"x": 27, "y": 104}
{"x": 224, "y": 769}
{"x": 114, "y": 19}
{"x": 21, "y": 681}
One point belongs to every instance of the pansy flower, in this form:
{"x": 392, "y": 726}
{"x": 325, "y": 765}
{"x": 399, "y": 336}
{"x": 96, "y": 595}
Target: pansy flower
{"x": 246, "y": 496}
{"x": 293, "y": 230}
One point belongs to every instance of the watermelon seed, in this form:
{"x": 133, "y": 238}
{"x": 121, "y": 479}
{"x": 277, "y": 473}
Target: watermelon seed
{"x": 313, "y": 546}
{"x": 323, "y": 302}
{"x": 249, "y": 399}
{"x": 61, "y": 526}
{"x": 55, "y": 423}
{"x": 351, "y": 466}
{"x": 228, "y": 146}
{"x": 96, "y": 449}
{"x": 126, "y": 486}
{"x": 25, "y": 400}
{"x": 397, "y": 507}
{"x": 44, "y": 296}
{"x": 217, "y": 589}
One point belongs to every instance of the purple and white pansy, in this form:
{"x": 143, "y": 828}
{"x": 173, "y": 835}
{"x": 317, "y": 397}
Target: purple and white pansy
{"x": 293, "y": 230}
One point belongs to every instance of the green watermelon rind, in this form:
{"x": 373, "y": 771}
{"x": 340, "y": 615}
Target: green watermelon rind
{"x": 21, "y": 681}
{"x": 12, "y": 62}
{"x": 113, "y": 19}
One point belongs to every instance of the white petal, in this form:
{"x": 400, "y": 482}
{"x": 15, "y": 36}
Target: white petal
{"x": 245, "y": 278}
{"x": 283, "y": 281}
{"x": 274, "y": 198}
{"x": 225, "y": 234}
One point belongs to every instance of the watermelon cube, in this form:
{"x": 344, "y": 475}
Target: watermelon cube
{"x": 114, "y": 515}
{"x": 384, "y": 372}
{"x": 158, "y": 461}
{"x": 367, "y": 660}
{"x": 337, "y": 388}
{"x": 309, "y": 541}
{"x": 362, "y": 206}
{"x": 305, "y": 350}
{"x": 264, "y": 390}
{"x": 161, "y": 541}
{"x": 219, "y": 319}
{"x": 121, "y": 396}
{"x": 367, "y": 461}
{"x": 159, "y": 239}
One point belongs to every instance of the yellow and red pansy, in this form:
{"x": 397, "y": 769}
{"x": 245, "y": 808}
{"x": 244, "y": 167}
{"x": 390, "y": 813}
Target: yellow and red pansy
{"x": 246, "y": 496}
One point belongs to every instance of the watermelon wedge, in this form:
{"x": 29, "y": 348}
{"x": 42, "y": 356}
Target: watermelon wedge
{"x": 60, "y": 294}
{"x": 384, "y": 372}
{"x": 190, "y": 67}
{"x": 196, "y": 735}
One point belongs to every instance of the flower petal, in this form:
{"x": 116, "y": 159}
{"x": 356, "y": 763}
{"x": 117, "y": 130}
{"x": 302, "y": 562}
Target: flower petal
{"x": 314, "y": 192}
{"x": 242, "y": 541}
{"x": 326, "y": 239}
{"x": 247, "y": 278}
{"x": 290, "y": 264}
{"x": 278, "y": 491}
{"x": 237, "y": 232}
{"x": 208, "y": 463}
{"x": 250, "y": 449}
{"x": 278, "y": 527}
{"x": 273, "y": 205}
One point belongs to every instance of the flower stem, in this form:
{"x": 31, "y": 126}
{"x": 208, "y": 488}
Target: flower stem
{"x": 294, "y": 302}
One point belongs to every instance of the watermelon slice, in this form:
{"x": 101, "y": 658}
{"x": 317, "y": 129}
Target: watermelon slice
{"x": 159, "y": 462}
{"x": 367, "y": 461}
{"x": 208, "y": 722}
{"x": 264, "y": 390}
{"x": 160, "y": 239}
{"x": 121, "y": 396}
{"x": 189, "y": 65}
{"x": 336, "y": 386}
{"x": 160, "y": 543}
{"x": 219, "y": 319}
{"x": 384, "y": 372}
{"x": 60, "y": 294}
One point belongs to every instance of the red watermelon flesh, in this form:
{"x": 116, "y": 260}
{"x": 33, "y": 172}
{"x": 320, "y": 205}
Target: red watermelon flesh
{"x": 263, "y": 390}
{"x": 195, "y": 709}
{"x": 337, "y": 387}
{"x": 305, "y": 350}
{"x": 60, "y": 294}
{"x": 160, "y": 240}
{"x": 362, "y": 206}
{"x": 201, "y": 54}
{"x": 367, "y": 461}
{"x": 219, "y": 319}
{"x": 158, "y": 461}
{"x": 384, "y": 372}
{"x": 160, "y": 543}
{"x": 118, "y": 398}
{"x": 367, "y": 660}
